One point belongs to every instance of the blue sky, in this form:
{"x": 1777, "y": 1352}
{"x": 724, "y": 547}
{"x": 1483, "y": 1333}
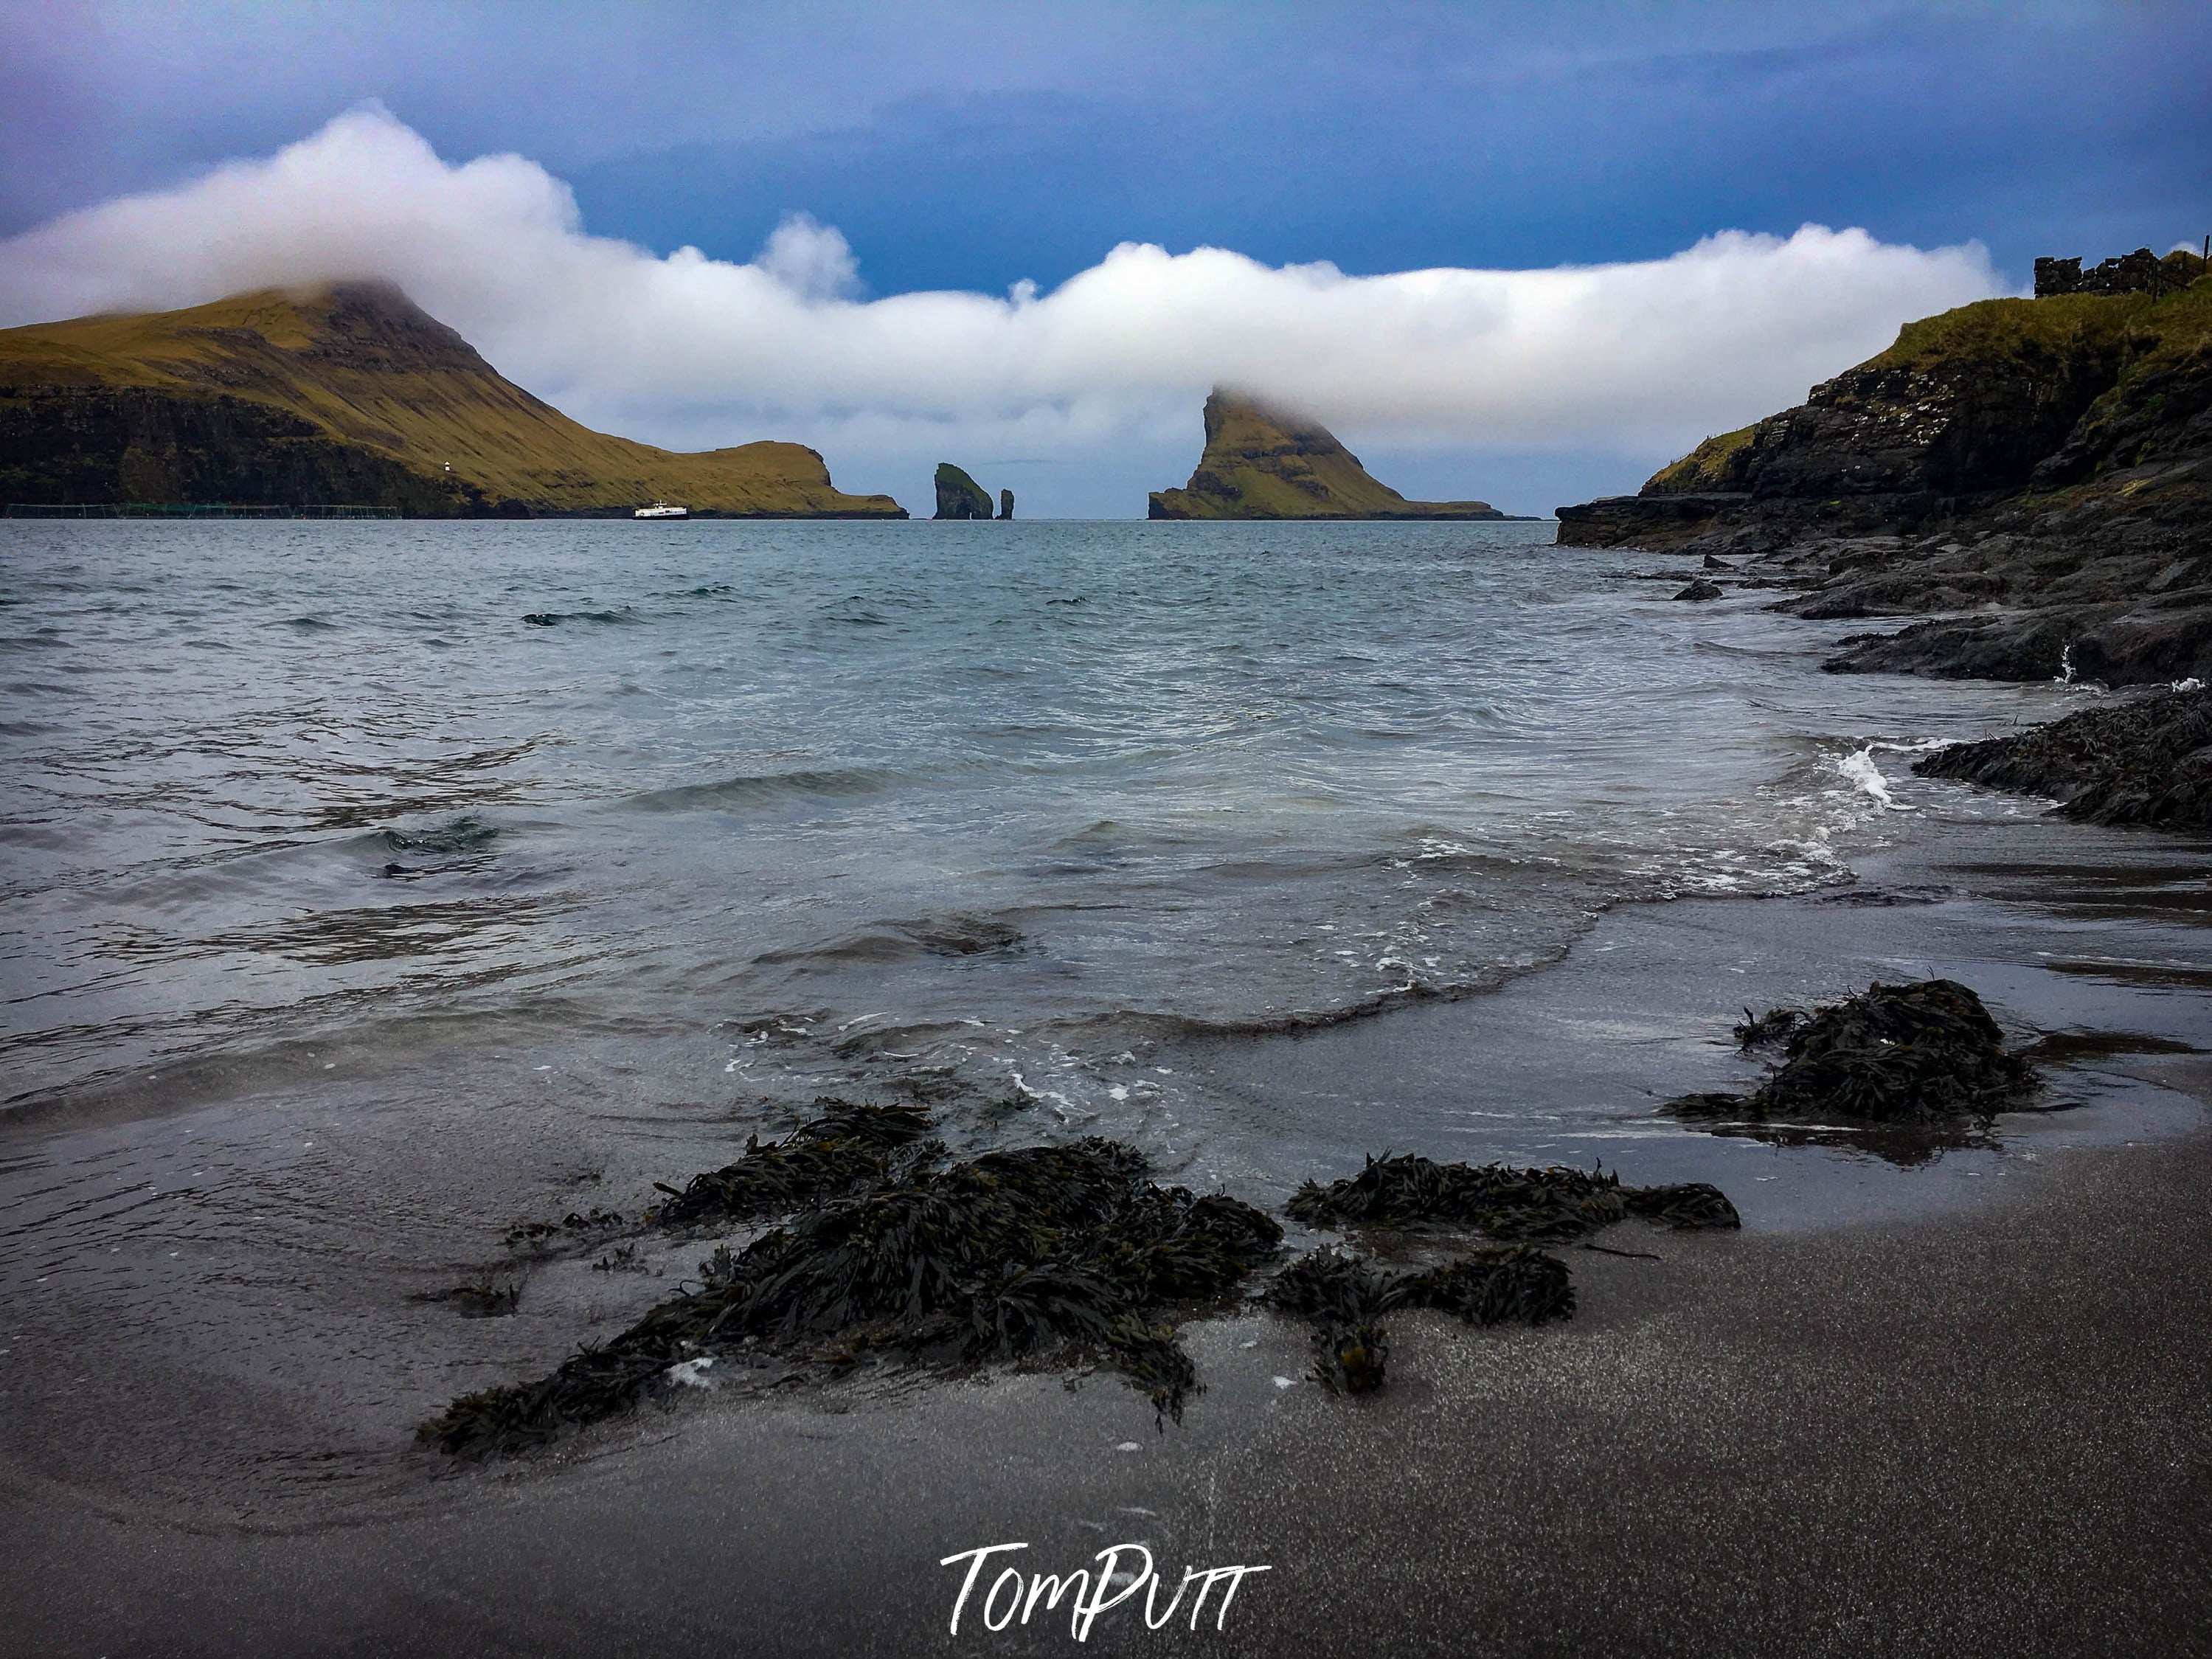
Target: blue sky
{"x": 970, "y": 147}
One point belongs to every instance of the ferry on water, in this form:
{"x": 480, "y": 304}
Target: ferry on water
{"x": 662, "y": 510}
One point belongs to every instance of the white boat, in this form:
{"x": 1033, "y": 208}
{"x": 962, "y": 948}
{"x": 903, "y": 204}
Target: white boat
{"x": 662, "y": 510}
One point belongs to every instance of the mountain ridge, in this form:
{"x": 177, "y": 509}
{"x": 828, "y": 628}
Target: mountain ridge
{"x": 343, "y": 392}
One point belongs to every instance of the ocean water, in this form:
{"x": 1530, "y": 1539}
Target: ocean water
{"x": 975, "y": 813}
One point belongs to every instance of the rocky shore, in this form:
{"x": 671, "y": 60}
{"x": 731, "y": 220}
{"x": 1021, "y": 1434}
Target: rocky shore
{"x": 2029, "y": 483}
{"x": 2144, "y": 760}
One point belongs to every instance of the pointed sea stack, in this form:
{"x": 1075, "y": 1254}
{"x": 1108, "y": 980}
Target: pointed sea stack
{"x": 1261, "y": 463}
{"x": 1006, "y": 503}
{"x": 959, "y": 495}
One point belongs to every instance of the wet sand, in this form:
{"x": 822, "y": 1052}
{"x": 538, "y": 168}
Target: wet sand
{"x": 1955, "y": 1408}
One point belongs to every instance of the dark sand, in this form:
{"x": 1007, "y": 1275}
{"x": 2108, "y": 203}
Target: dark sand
{"x": 1956, "y": 1409}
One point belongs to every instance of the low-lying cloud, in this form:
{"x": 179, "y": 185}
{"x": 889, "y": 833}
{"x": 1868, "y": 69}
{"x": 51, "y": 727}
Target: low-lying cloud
{"x": 1094, "y": 386}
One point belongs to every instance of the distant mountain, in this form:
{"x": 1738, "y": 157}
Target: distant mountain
{"x": 345, "y": 393}
{"x": 1261, "y": 463}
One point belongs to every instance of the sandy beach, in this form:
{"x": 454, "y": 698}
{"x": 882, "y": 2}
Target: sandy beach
{"x": 897, "y": 829}
{"x": 1953, "y": 1408}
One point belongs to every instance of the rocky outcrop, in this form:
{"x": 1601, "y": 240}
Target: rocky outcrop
{"x": 1262, "y": 463}
{"x": 347, "y": 394}
{"x": 2140, "y": 272}
{"x": 2145, "y": 761}
{"x": 1006, "y": 503}
{"x": 1655, "y": 523}
{"x": 2032, "y": 478}
{"x": 959, "y": 495}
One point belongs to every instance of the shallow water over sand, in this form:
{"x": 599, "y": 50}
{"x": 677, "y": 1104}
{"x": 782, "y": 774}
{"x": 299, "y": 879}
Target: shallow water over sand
{"x": 971, "y": 810}
{"x": 355, "y": 917}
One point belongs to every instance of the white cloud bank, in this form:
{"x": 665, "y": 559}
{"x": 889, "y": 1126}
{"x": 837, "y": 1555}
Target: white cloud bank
{"x": 1105, "y": 371}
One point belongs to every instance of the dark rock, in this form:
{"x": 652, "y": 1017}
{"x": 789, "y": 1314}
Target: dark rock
{"x": 1899, "y": 1070}
{"x": 2034, "y": 478}
{"x": 1006, "y": 503}
{"x": 2146, "y": 760}
{"x": 2140, "y": 272}
{"x": 1654, "y": 523}
{"x": 1699, "y": 591}
{"x": 959, "y": 495}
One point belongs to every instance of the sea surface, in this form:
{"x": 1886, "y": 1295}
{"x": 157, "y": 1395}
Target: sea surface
{"x": 971, "y": 811}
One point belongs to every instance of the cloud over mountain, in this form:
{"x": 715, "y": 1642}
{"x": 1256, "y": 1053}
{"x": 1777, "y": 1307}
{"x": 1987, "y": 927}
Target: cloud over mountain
{"x": 1106, "y": 370}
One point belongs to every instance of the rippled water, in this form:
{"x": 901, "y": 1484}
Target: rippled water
{"x": 948, "y": 805}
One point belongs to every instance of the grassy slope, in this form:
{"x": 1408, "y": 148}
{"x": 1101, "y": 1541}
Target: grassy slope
{"x": 1276, "y": 466}
{"x": 1706, "y": 467}
{"x": 2148, "y": 336}
{"x": 364, "y": 366}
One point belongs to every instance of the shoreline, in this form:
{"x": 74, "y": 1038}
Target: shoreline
{"x": 1884, "y": 1434}
{"x": 890, "y": 1472}
{"x": 204, "y": 1398}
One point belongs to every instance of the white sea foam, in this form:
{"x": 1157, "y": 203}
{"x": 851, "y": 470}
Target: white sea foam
{"x": 1859, "y": 767}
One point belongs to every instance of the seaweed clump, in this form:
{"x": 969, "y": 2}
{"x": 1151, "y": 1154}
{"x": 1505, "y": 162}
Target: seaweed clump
{"x": 1893, "y": 1054}
{"x": 844, "y": 1150}
{"x": 1554, "y": 1204}
{"x": 1762, "y": 1031}
{"x": 482, "y": 1300}
{"x": 2145, "y": 761}
{"x": 574, "y": 1228}
{"x": 1044, "y": 1251}
{"x": 1346, "y": 1298}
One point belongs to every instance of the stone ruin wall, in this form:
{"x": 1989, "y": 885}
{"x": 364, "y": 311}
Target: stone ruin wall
{"x": 2140, "y": 272}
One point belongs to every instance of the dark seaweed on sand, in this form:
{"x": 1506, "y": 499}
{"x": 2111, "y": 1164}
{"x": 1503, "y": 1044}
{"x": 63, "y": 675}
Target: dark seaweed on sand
{"x": 1044, "y": 1251}
{"x": 1550, "y": 1204}
{"x": 847, "y": 1148}
{"x": 1911, "y": 1054}
{"x": 1345, "y": 1299}
{"x": 1758, "y": 1030}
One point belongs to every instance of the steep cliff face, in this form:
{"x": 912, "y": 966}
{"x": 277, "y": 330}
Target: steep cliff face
{"x": 2040, "y": 469}
{"x": 1261, "y": 463}
{"x": 1965, "y": 409}
{"x": 959, "y": 495}
{"x": 347, "y": 393}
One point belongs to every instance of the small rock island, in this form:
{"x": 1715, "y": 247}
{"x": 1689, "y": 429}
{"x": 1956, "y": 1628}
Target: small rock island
{"x": 1263, "y": 463}
{"x": 959, "y": 496}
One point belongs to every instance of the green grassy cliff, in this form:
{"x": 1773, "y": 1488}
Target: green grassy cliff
{"x": 2030, "y": 478}
{"x": 1966, "y": 409}
{"x": 346, "y": 394}
{"x": 1261, "y": 463}
{"x": 959, "y": 495}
